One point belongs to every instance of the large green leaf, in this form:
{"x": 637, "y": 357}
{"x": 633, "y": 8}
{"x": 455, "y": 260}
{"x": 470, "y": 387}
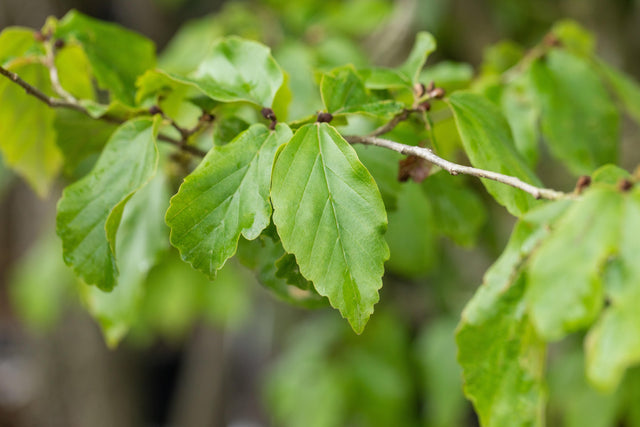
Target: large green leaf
{"x": 117, "y": 55}
{"x": 523, "y": 115}
{"x": 238, "y": 70}
{"x": 90, "y": 210}
{"x": 486, "y": 138}
{"x": 27, "y": 137}
{"x": 564, "y": 290}
{"x": 500, "y": 353}
{"x": 613, "y": 344}
{"x": 227, "y": 195}
{"x": 579, "y": 120}
{"x": 141, "y": 239}
{"x": 330, "y": 215}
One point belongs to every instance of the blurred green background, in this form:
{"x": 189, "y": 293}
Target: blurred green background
{"x": 229, "y": 353}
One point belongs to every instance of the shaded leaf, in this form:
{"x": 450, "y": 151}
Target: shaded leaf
{"x": 117, "y": 55}
{"x": 500, "y": 353}
{"x": 225, "y": 196}
{"x": 564, "y": 291}
{"x": 330, "y": 215}
{"x": 90, "y": 210}
{"x": 579, "y": 121}
{"x": 613, "y": 344}
{"x": 486, "y": 138}
{"x": 624, "y": 87}
{"x": 142, "y": 237}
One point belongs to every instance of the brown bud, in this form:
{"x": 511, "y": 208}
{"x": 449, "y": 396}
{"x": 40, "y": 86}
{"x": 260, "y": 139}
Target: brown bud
{"x": 551, "y": 40}
{"x": 272, "y": 125}
{"x": 39, "y": 36}
{"x": 268, "y": 114}
{"x": 437, "y": 93}
{"x": 583, "y": 182}
{"x": 58, "y": 44}
{"x": 207, "y": 117}
{"x": 154, "y": 109}
{"x": 419, "y": 90}
{"x": 324, "y": 117}
{"x": 424, "y": 106}
{"x": 625, "y": 185}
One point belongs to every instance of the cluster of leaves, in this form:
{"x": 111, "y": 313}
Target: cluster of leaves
{"x": 318, "y": 219}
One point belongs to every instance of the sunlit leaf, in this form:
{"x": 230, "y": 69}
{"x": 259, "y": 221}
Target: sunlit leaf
{"x": 227, "y": 195}
{"x": 90, "y": 210}
{"x": 330, "y": 215}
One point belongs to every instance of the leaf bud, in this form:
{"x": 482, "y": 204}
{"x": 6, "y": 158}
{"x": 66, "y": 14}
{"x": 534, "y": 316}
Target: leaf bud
{"x": 268, "y": 114}
{"x": 324, "y": 117}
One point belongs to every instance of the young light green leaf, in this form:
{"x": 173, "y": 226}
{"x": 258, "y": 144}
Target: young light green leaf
{"x": 424, "y": 45}
{"x": 90, "y": 209}
{"x": 117, "y": 55}
{"x": 27, "y": 136}
{"x": 574, "y": 37}
{"x": 500, "y": 353}
{"x": 344, "y": 92}
{"x": 613, "y": 344}
{"x": 486, "y": 138}
{"x": 564, "y": 291}
{"x": 16, "y": 42}
{"x": 227, "y": 195}
{"x": 579, "y": 121}
{"x": 238, "y": 70}
{"x": 142, "y": 238}
{"x": 330, "y": 215}
{"x": 624, "y": 87}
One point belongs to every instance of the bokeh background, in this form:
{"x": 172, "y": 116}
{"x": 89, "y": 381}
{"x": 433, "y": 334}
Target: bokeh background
{"x": 229, "y": 353}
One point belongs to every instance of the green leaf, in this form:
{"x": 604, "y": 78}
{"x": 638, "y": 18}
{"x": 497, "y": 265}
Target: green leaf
{"x": 117, "y": 55}
{"x": 27, "y": 137}
{"x": 227, "y": 195}
{"x": 500, "y": 353}
{"x": 344, "y": 92}
{"x": 412, "y": 234}
{"x": 523, "y": 115}
{"x": 74, "y": 71}
{"x": 383, "y": 166}
{"x": 564, "y": 291}
{"x": 90, "y": 210}
{"x": 142, "y": 237}
{"x": 408, "y": 73}
{"x": 79, "y": 136}
{"x": 486, "y": 138}
{"x": 574, "y": 37}
{"x": 458, "y": 212}
{"x": 424, "y": 45}
{"x": 613, "y": 344}
{"x": 16, "y": 42}
{"x": 238, "y": 70}
{"x": 625, "y": 88}
{"x": 579, "y": 120}
{"x": 330, "y": 215}
{"x": 610, "y": 174}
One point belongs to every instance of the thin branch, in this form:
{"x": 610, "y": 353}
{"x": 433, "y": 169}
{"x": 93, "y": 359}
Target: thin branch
{"x": 454, "y": 168}
{"x": 63, "y": 103}
{"x": 390, "y": 125}
{"x": 50, "y": 63}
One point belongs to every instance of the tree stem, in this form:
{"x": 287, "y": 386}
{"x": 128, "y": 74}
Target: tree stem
{"x": 454, "y": 168}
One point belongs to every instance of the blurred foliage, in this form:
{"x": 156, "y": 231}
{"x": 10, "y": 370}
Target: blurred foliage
{"x": 402, "y": 370}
